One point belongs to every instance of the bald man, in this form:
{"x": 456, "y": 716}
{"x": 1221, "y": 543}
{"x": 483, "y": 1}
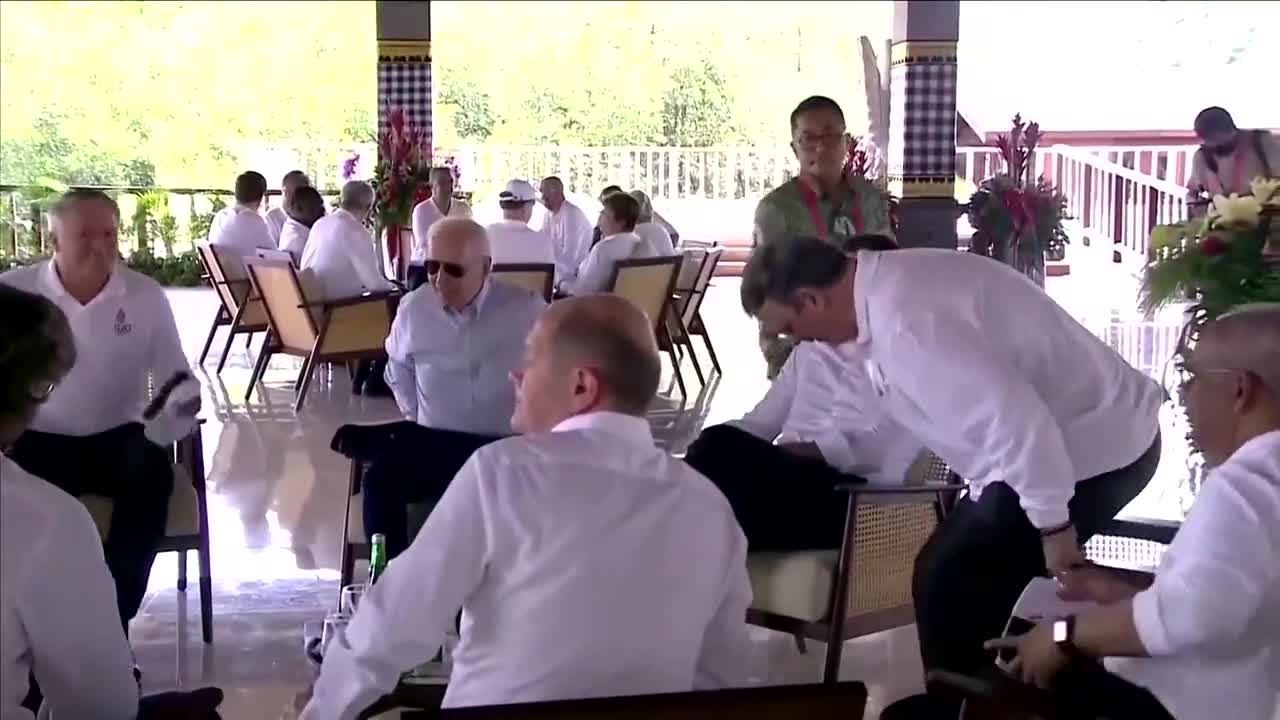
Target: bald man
{"x": 568, "y": 227}
{"x": 339, "y": 252}
{"x": 452, "y": 345}
{"x": 1207, "y": 630}
{"x": 587, "y": 561}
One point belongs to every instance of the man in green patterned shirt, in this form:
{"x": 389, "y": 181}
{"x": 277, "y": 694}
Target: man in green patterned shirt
{"x": 823, "y": 201}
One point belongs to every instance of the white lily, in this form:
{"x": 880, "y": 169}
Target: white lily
{"x": 1267, "y": 190}
{"x": 1235, "y": 211}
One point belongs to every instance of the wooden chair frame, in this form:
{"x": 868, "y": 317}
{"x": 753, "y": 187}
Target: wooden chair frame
{"x": 660, "y": 328}
{"x": 215, "y": 274}
{"x": 548, "y": 268}
{"x": 689, "y": 304}
{"x": 188, "y": 453}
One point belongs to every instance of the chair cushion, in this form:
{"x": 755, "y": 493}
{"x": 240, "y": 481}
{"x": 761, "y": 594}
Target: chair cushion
{"x": 184, "y": 508}
{"x": 794, "y": 584}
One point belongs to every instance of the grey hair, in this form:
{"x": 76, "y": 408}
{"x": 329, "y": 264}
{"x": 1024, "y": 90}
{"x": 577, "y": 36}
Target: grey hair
{"x": 646, "y": 206}
{"x": 1250, "y": 335}
{"x": 356, "y": 195}
{"x": 73, "y": 196}
{"x": 777, "y": 270}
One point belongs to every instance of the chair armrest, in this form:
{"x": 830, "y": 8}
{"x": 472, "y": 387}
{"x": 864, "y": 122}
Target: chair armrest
{"x": 867, "y": 489}
{"x": 1160, "y": 531}
{"x": 381, "y": 295}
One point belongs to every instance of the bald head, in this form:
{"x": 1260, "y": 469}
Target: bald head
{"x": 356, "y": 198}
{"x": 551, "y": 192}
{"x": 459, "y": 238}
{"x": 1246, "y": 338}
{"x": 457, "y": 260}
{"x": 610, "y": 334}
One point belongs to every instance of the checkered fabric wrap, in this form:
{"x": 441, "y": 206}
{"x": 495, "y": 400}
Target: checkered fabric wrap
{"x": 405, "y": 85}
{"x": 922, "y": 119}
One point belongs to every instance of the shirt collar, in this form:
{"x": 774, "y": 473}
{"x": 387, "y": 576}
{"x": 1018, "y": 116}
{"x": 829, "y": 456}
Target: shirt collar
{"x": 630, "y": 428}
{"x": 1259, "y": 445}
{"x": 474, "y": 307}
{"x": 620, "y": 235}
{"x": 863, "y": 276}
{"x": 49, "y": 279}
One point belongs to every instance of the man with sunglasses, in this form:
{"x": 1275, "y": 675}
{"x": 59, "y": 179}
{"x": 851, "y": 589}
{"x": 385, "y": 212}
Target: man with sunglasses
{"x": 452, "y": 345}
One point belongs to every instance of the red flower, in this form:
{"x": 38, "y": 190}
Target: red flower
{"x": 1213, "y": 246}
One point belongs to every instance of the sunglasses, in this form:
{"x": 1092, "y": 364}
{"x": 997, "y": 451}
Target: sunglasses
{"x": 454, "y": 270}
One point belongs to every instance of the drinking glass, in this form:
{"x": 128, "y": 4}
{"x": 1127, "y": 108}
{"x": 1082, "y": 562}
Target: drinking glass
{"x": 351, "y": 596}
{"x": 333, "y": 623}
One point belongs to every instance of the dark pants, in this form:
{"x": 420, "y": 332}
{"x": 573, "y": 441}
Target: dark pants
{"x": 782, "y": 501}
{"x": 1085, "y": 688}
{"x": 416, "y": 466}
{"x": 369, "y": 380}
{"x": 121, "y": 464}
{"x": 968, "y": 576}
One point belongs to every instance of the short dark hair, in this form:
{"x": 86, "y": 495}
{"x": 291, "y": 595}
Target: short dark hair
{"x": 624, "y": 208}
{"x": 1213, "y": 120}
{"x": 815, "y": 103}
{"x": 629, "y": 370}
{"x": 250, "y": 187}
{"x": 776, "y": 270}
{"x": 294, "y": 175}
{"x": 609, "y": 190}
{"x": 36, "y": 347}
{"x": 306, "y": 206}
{"x": 874, "y": 242}
{"x": 442, "y": 169}
{"x": 75, "y": 195}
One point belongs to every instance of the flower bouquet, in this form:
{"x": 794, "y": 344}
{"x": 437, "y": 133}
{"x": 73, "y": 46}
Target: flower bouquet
{"x": 861, "y": 166}
{"x": 401, "y": 172}
{"x": 1017, "y": 218}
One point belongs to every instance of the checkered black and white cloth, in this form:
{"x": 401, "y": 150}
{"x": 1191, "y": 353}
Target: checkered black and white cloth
{"x": 405, "y": 85}
{"x": 922, "y": 119}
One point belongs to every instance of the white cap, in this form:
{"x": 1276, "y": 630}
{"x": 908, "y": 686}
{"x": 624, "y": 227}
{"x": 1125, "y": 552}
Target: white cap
{"x": 518, "y": 191}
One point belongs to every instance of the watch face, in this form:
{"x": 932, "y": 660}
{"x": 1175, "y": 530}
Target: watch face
{"x": 1060, "y": 631}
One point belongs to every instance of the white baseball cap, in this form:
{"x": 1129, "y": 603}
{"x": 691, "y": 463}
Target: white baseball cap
{"x": 518, "y": 191}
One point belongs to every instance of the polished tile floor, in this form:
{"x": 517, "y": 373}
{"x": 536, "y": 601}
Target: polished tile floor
{"x": 276, "y": 501}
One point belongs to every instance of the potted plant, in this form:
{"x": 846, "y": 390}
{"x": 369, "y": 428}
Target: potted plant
{"x": 401, "y": 173}
{"x": 1017, "y": 217}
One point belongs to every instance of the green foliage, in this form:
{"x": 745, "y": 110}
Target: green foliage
{"x": 200, "y": 222}
{"x": 1216, "y": 268}
{"x": 180, "y": 271}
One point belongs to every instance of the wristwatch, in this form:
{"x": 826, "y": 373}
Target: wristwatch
{"x": 1064, "y": 634}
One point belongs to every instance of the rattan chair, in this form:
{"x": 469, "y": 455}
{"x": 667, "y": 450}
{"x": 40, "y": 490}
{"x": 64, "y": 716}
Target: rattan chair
{"x": 338, "y": 330}
{"x": 650, "y": 284}
{"x": 538, "y": 278}
{"x": 689, "y": 297}
{"x": 865, "y": 586}
{"x": 187, "y": 526}
{"x": 240, "y": 310}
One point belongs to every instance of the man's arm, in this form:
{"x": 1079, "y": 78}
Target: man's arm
{"x": 577, "y": 238}
{"x": 768, "y": 417}
{"x": 1198, "y": 179}
{"x": 1270, "y": 152}
{"x": 726, "y": 644}
{"x": 770, "y": 223}
{"x": 402, "y": 620}
{"x": 401, "y": 373}
{"x": 365, "y": 259}
{"x": 593, "y": 275}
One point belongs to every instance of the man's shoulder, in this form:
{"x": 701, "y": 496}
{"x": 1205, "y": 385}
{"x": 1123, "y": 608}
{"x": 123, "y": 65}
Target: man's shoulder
{"x": 504, "y": 298}
{"x": 25, "y": 277}
{"x": 780, "y": 198}
{"x": 39, "y": 503}
{"x": 139, "y": 286}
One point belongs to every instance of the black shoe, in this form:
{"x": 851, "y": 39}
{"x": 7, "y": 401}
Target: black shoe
{"x": 920, "y": 707}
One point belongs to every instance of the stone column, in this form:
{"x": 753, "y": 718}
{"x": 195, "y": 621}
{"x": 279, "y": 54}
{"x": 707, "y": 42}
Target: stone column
{"x": 404, "y": 61}
{"x": 922, "y": 120}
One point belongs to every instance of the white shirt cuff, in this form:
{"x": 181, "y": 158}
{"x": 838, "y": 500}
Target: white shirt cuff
{"x": 1146, "y": 619}
{"x": 1042, "y": 517}
{"x": 835, "y": 450}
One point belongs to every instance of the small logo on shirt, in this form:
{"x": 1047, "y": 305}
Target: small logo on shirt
{"x": 122, "y": 323}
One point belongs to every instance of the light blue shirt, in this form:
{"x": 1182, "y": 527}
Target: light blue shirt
{"x": 449, "y": 369}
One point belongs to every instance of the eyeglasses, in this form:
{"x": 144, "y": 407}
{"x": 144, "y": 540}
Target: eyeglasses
{"x": 825, "y": 140}
{"x": 454, "y": 270}
{"x": 1187, "y": 375}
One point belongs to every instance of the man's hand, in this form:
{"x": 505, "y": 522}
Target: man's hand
{"x": 189, "y": 408}
{"x": 1095, "y": 584}
{"x": 805, "y": 450}
{"x": 1062, "y": 551}
{"x": 1039, "y": 658}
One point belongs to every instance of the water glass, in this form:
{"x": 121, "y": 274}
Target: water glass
{"x": 351, "y": 596}
{"x": 333, "y": 623}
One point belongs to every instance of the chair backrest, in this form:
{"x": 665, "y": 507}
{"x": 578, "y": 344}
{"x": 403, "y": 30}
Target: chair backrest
{"x": 846, "y": 701}
{"x": 230, "y": 293}
{"x": 538, "y": 278}
{"x": 701, "y": 244}
{"x": 690, "y": 268}
{"x": 649, "y": 283}
{"x": 276, "y": 282}
{"x": 689, "y": 309}
{"x": 281, "y": 255}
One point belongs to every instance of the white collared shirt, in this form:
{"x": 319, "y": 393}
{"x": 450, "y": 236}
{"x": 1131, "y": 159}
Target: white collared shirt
{"x": 293, "y": 239}
{"x": 587, "y": 563}
{"x": 276, "y": 219}
{"x": 449, "y": 369}
{"x": 656, "y": 238}
{"x": 570, "y": 232}
{"x": 340, "y": 256}
{"x": 58, "y": 614}
{"x": 243, "y": 230}
{"x": 596, "y": 271}
{"x": 125, "y": 337}
{"x": 819, "y": 398}
{"x": 1211, "y": 619}
{"x": 511, "y": 241}
{"x": 426, "y": 214}
{"x": 991, "y": 374}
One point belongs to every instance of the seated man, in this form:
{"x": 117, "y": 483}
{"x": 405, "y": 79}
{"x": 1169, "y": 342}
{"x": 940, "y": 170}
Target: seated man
{"x": 276, "y": 217}
{"x": 1204, "y": 638}
{"x": 654, "y": 233}
{"x": 58, "y": 611}
{"x": 587, "y": 562}
{"x": 242, "y": 228}
{"x": 451, "y": 348}
{"x": 339, "y": 250}
{"x": 829, "y": 427}
{"x": 305, "y": 208}
{"x": 567, "y": 226}
{"x": 88, "y": 438}
{"x": 512, "y": 240}
{"x": 442, "y": 204}
{"x": 618, "y": 218}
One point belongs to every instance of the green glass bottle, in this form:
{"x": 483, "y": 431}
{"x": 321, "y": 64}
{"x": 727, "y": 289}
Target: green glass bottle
{"x": 377, "y": 557}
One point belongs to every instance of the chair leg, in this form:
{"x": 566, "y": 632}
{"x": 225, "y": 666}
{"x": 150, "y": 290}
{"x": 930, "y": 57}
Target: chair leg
{"x": 206, "y": 592}
{"x": 693, "y": 356}
{"x": 259, "y": 367}
{"x": 675, "y": 367}
{"x": 208, "y": 341}
{"x": 226, "y": 349}
{"x": 347, "y": 566}
{"x": 182, "y": 571}
{"x": 831, "y": 668}
{"x": 706, "y": 338}
{"x": 307, "y": 367}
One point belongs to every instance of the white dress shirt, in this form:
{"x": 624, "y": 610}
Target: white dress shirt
{"x": 293, "y": 239}
{"x": 587, "y": 563}
{"x": 819, "y": 398}
{"x": 596, "y": 271}
{"x": 426, "y": 214}
{"x": 339, "y": 254}
{"x": 449, "y": 369}
{"x": 125, "y": 337}
{"x": 276, "y": 219}
{"x": 1211, "y": 619}
{"x": 511, "y": 241}
{"x": 991, "y": 374}
{"x": 58, "y": 613}
{"x": 570, "y": 232}
{"x": 220, "y": 220}
{"x": 657, "y": 238}
{"x": 244, "y": 231}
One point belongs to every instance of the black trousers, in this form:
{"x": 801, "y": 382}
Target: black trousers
{"x": 782, "y": 501}
{"x": 968, "y": 576}
{"x": 134, "y": 472}
{"x": 416, "y": 465}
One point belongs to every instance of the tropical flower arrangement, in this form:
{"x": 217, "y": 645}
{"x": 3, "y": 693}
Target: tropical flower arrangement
{"x": 863, "y": 163}
{"x": 1228, "y": 257}
{"x": 1017, "y": 217}
{"x": 402, "y": 170}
